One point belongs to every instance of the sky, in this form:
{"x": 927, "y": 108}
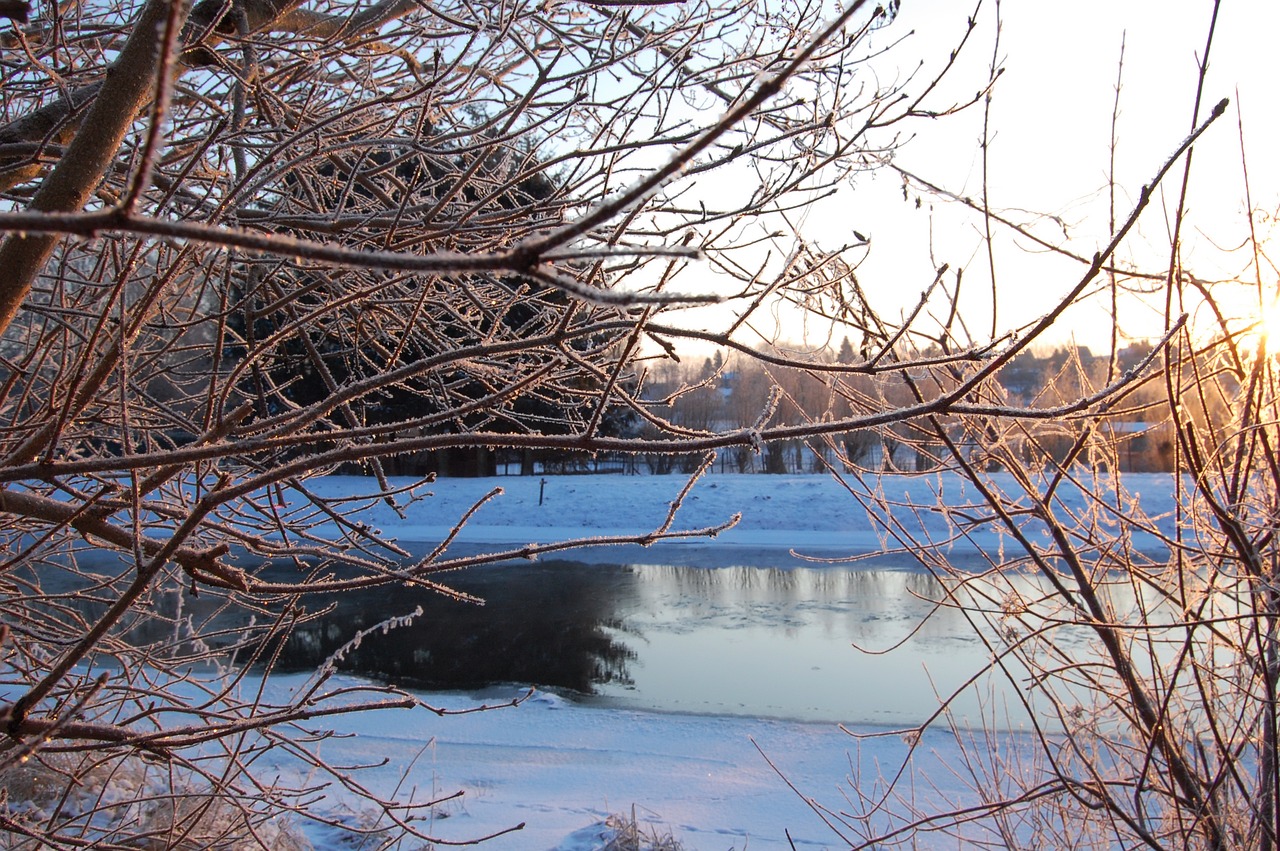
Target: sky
{"x": 1050, "y": 132}
{"x": 1051, "y": 118}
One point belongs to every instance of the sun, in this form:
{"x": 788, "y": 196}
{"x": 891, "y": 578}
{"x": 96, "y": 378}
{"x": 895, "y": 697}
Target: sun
{"x": 1265, "y": 327}
{"x": 1245, "y": 317}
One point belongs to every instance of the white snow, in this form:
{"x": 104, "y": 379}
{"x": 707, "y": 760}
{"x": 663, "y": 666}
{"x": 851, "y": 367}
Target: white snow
{"x": 808, "y": 513}
{"x": 560, "y": 768}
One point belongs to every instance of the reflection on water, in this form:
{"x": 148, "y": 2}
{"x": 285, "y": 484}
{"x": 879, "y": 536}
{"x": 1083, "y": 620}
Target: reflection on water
{"x": 864, "y": 643}
{"x": 549, "y": 624}
{"x": 800, "y": 643}
{"x": 732, "y": 640}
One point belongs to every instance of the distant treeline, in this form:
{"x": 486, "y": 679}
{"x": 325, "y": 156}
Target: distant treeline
{"x": 722, "y": 393}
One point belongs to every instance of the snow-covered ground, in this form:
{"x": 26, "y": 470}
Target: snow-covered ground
{"x": 561, "y": 769}
{"x": 558, "y": 767}
{"x": 808, "y": 513}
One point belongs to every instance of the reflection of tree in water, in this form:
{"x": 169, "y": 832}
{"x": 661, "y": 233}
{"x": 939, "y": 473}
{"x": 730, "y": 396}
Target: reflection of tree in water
{"x": 548, "y": 624}
{"x": 865, "y": 603}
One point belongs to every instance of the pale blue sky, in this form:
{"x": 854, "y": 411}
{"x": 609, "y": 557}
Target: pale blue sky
{"x": 1051, "y": 131}
{"x": 1051, "y": 117}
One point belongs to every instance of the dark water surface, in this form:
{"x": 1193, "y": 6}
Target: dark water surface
{"x": 737, "y": 640}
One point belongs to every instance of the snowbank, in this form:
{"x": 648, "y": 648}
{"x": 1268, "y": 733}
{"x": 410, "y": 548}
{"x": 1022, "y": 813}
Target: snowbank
{"x": 812, "y": 514}
{"x": 561, "y": 769}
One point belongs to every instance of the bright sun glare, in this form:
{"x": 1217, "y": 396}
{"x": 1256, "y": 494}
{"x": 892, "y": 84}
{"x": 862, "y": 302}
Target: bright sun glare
{"x": 1265, "y": 329}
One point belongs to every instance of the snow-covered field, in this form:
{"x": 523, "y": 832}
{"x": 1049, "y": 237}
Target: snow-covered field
{"x": 808, "y": 513}
{"x": 559, "y": 767}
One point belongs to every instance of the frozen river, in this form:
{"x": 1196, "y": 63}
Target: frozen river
{"x": 856, "y": 645}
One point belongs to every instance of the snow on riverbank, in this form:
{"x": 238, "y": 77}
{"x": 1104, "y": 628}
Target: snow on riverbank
{"x": 812, "y": 513}
{"x": 561, "y": 768}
